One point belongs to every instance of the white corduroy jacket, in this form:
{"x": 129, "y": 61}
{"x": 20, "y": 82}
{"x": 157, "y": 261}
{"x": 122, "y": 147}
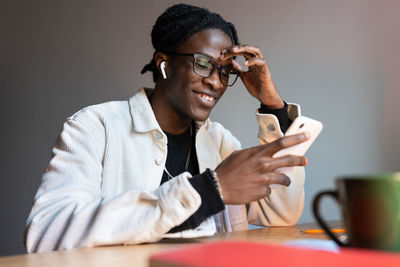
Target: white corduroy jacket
{"x": 102, "y": 185}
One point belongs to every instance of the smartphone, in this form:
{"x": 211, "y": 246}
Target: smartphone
{"x": 299, "y": 125}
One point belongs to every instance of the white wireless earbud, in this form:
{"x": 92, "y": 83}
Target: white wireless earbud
{"x": 162, "y": 67}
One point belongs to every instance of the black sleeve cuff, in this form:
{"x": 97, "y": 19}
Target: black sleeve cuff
{"x": 280, "y": 113}
{"x": 211, "y": 202}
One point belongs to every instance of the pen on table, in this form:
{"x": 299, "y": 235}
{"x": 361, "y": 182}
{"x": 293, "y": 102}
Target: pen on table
{"x": 320, "y": 231}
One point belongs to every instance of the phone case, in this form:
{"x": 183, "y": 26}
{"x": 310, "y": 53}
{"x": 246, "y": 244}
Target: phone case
{"x": 299, "y": 125}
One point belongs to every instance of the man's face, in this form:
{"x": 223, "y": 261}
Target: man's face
{"x": 189, "y": 94}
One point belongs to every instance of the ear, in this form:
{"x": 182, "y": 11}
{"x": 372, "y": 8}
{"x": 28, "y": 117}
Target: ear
{"x": 161, "y": 61}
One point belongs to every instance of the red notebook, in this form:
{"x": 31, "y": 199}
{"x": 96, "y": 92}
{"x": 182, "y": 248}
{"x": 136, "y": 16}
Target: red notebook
{"x": 243, "y": 254}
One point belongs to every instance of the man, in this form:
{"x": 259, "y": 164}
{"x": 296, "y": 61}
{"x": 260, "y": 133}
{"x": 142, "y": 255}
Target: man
{"x": 155, "y": 166}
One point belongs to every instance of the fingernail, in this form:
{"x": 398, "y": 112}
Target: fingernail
{"x": 235, "y": 48}
{"x": 245, "y": 63}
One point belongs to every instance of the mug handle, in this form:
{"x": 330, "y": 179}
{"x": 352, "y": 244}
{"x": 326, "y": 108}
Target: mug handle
{"x": 318, "y": 216}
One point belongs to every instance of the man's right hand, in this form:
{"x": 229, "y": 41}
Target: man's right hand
{"x": 246, "y": 174}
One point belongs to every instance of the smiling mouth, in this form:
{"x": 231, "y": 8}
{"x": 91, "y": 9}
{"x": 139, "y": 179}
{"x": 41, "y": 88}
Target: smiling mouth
{"x": 206, "y": 100}
{"x": 207, "y": 97}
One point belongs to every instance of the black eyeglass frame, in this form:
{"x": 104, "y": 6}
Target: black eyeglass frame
{"x": 216, "y": 66}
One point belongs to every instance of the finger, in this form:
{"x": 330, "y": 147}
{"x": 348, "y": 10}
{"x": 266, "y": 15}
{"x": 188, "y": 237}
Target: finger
{"x": 248, "y": 49}
{"x": 237, "y": 66}
{"x": 285, "y": 142}
{"x": 277, "y": 178}
{"x": 286, "y": 161}
{"x": 255, "y": 62}
{"x": 245, "y": 50}
{"x": 246, "y": 55}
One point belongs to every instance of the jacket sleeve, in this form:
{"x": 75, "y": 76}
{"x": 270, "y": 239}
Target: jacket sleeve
{"x": 70, "y": 211}
{"x": 285, "y": 204}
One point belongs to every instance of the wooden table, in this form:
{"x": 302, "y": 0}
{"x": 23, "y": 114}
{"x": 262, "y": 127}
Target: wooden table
{"x": 137, "y": 255}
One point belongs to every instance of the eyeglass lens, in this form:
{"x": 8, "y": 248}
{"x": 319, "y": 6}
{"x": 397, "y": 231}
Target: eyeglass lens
{"x": 205, "y": 66}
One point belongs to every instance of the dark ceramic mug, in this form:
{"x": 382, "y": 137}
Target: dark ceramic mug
{"x": 371, "y": 210}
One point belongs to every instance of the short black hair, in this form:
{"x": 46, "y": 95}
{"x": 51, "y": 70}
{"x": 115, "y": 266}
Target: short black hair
{"x": 178, "y": 23}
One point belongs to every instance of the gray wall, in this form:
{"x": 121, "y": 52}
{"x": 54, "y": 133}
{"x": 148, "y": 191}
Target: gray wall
{"x": 338, "y": 59}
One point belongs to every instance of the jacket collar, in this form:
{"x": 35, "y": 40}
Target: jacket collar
{"x": 143, "y": 116}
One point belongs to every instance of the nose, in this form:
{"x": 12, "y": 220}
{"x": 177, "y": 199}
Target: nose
{"x": 214, "y": 80}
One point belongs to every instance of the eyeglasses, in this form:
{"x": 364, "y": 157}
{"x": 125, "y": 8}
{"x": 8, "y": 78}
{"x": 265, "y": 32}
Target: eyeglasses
{"x": 205, "y": 66}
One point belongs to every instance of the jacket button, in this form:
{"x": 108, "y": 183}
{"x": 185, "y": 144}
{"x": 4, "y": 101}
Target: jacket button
{"x": 158, "y": 161}
{"x": 158, "y": 135}
{"x": 271, "y": 127}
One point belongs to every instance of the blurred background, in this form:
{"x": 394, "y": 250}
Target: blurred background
{"x": 338, "y": 59}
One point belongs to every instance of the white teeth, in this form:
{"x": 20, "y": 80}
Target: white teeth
{"x": 207, "y": 97}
